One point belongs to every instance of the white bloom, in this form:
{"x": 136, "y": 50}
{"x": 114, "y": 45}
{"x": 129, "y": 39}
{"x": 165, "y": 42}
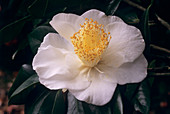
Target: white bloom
{"x": 90, "y": 59}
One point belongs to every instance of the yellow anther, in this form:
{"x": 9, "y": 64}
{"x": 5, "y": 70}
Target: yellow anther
{"x": 87, "y": 19}
{"x": 90, "y": 42}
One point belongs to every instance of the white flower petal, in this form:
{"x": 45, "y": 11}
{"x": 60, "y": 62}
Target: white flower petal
{"x": 66, "y": 24}
{"x": 106, "y": 72}
{"x": 99, "y": 92}
{"x": 100, "y": 17}
{"x": 125, "y": 46}
{"x": 131, "y": 72}
{"x": 58, "y": 68}
{"x": 56, "y": 41}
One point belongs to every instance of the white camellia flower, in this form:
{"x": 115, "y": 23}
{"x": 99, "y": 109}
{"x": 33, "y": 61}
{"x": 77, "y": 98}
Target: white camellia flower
{"x": 91, "y": 55}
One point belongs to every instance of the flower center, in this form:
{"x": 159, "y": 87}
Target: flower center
{"x": 90, "y": 42}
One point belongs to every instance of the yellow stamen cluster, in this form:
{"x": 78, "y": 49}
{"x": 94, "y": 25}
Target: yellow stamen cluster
{"x": 90, "y": 42}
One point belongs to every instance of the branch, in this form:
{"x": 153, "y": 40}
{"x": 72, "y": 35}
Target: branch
{"x": 160, "y": 48}
{"x": 134, "y": 5}
{"x": 163, "y": 22}
{"x": 166, "y": 58}
{"x": 159, "y": 69}
{"x": 159, "y": 74}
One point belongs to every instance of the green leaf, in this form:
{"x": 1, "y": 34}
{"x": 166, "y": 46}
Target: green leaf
{"x": 55, "y": 101}
{"x": 128, "y": 92}
{"x": 74, "y": 106}
{"x": 112, "y": 7}
{"x": 22, "y": 44}
{"x": 141, "y": 99}
{"x": 43, "y": 101}
{"x": 12, "y": 30}
{"x": 115, "y": 106}
{"x": 20, "y": 95}
{"x": 131, "y": 91}
{"x": 46, "y": 8}
{"x": 117, "y": 103}
{"x": 24, "y": 73}
{"x": 35, "y": 99}
{"x": 37, "y": 36}
{"x": 145, "y": 29}
{"x": 136, "y": 96}
{"x": 146, "y": 32}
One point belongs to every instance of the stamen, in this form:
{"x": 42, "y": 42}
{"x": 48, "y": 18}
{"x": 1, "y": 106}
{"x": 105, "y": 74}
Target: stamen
{"x": 90, "y": 42}
{"x": 98, "y": 70}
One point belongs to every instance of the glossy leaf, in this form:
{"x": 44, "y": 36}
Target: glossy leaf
{"x": 35, "y": 99}
{"x": 19, "y": 96}
{"x": 112, "y": 7}
{"x": 43, "y": 101}
{"x": 115, "y": 106}
{"x": 37, "y": 36}
{"x": 24, "y": 73}
{"x": 142, "y": 98}
{"x": 128, "y": 92}
{"x": 59, "y": 105}
{"x": 145, "y": 29}
{"x": 12, "y": 30}
{"x": 137, "y": 96}
{"x": 55, "y": 101}
{"x": 117, "y": 103}
{"x": 74, "y": 106}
